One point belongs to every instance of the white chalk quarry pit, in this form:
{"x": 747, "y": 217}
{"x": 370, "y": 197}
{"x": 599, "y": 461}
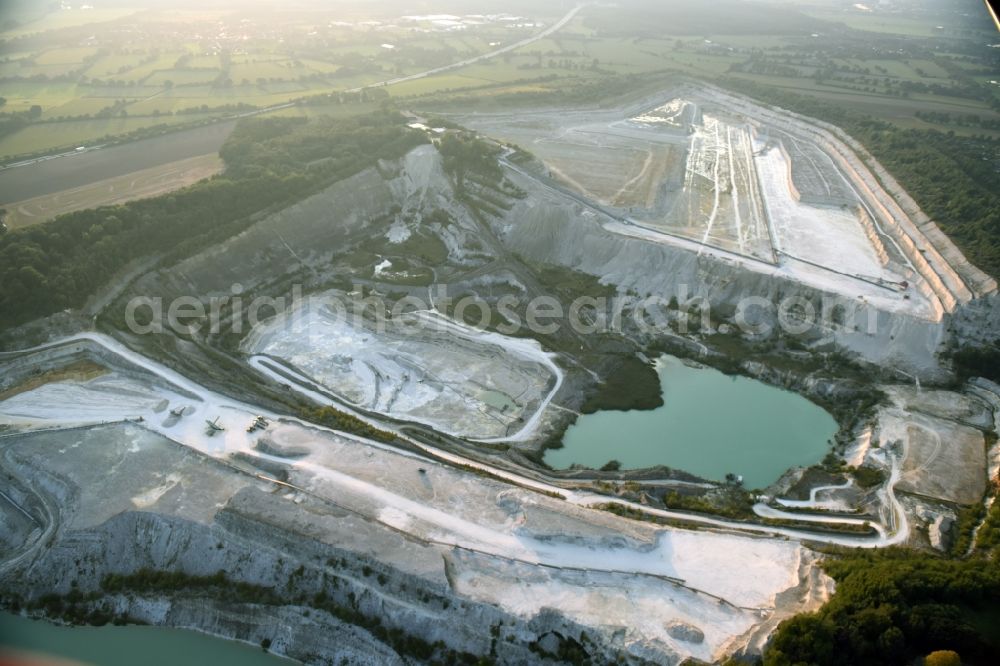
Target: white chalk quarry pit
{"x": 417, "y": 368}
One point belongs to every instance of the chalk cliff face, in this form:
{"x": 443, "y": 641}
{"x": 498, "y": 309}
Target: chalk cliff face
{"x": 298, "y": 569}
{"x": 547, "y": 230}
{"x": 335, "y": 233}
{"x": 950, "y": 277}
{"x": 395, "y": 210}
{"x": 334, "y": 569}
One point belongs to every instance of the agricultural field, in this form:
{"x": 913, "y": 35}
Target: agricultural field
{"x": 60, "y": 20}
{"x": 153, "y": 63}
{"x": 445, "y": 82}
{"x": 886, "y": 25}
{"x": 82, "y": 106}
{"x": 917, "y": 76}
{"x": 50, "y": 177}
{"x": 65, "y": 56}
{"x": 137, "y": 60}
{"x": 66, "y": 135}
{"x": 110, "y": 191}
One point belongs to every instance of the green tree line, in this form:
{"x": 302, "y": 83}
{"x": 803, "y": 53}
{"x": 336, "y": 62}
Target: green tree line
{"x": 465, "y": 155}
{"x": 895, "y": 605}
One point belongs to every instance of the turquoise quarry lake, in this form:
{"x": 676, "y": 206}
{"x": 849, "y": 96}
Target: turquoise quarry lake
{"x": 709, "y": 425}
{"x": 125, "y": 646}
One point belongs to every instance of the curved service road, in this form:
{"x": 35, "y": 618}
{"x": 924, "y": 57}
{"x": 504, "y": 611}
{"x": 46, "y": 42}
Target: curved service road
{"x": 236, "y": 413}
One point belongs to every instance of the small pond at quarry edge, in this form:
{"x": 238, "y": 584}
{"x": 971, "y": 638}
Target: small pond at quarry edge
{"x": 124, "y": 646}
{"x": 710, "y": 424}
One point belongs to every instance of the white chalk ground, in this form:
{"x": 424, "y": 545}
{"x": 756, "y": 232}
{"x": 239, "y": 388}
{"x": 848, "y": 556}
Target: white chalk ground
{"x": 989, "y": 393}
{"x": 449, "y": 506}
{"x": 703, "y": 560}
{"x": 452, "y": 507}
{"x": 897, "y": 533}
{"x": 854, "y": 454}
{"x": 823, "y": 498}
{"x": 820, "y": 278}
{"x": 643, "y": 607}
{"x": 671, "y": 113}
{"x": 457, "y": 380}
{"x": 705, "y": 571}
{"x": 942, "y": 458}
{"x": 718, "y": 212}
{"x": 830, "y": 237}
{"x": 723, "y": 204}
{"x": 970, "y": 408}
{"x": 105, "y": 398}
{"x": 826, "y": 235}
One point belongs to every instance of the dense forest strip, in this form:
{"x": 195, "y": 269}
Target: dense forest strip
{"x": 895, "y": 605}
{"x": 269, "y": 163}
